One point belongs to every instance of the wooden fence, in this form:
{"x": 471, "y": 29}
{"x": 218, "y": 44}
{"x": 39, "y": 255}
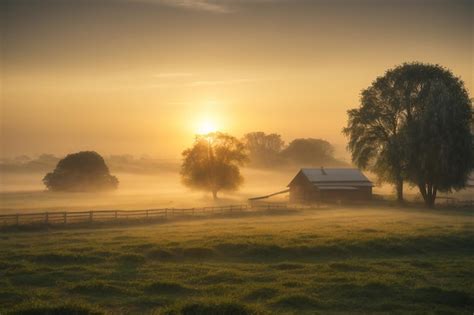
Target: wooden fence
{"x": 67, "y": 217}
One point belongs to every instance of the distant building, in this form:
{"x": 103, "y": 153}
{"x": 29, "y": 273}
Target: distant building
{"x": 329, "y": 184}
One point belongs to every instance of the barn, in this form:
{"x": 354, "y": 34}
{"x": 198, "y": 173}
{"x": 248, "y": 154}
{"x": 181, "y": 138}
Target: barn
{"x": 329, "y": 185}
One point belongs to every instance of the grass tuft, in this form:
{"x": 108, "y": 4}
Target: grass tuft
{"x": 98, "y": 288}
{"x": 65, "y": 258}
{"x": 261, "y": 294}
{"x": 166, "y": 288}
{"x": 132, "y": 259}
{"x": 297, "y": 301}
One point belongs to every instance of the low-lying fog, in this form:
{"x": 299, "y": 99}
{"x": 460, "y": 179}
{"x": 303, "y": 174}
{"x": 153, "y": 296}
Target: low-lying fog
{"x": 26, "y": 192}
{"x": 20, "y": 191}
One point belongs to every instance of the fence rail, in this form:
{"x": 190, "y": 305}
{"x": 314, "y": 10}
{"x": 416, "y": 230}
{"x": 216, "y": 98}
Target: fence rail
{"x": 67, "y": 217}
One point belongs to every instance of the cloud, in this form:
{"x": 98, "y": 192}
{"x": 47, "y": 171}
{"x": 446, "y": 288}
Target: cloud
{"x": 214, "y": 6}
{"x": 200, "y": 5}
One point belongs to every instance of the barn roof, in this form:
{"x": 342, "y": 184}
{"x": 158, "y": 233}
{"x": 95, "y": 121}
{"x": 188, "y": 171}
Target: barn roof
{"x": 330, "y": 176}
{"x": 334, "y": 175}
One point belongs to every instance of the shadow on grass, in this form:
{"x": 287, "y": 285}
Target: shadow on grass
{"x": 167, "y": 288}
{"x": 98, "y": 288}
{"x": 36, "y": 308}
{"x": 212, "y": 308}
{"x": 297, "y": 302}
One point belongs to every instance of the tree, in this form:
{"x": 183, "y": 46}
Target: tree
{"x": 212, "y": 163}
{"x": 440, "y": 146}
{"x": 82, "y": 171}
{"x": 373, "y": 131}
{"x": 310, "y": 151}
{"x": 413, "y": 124}
{"x": 263, "y": 149}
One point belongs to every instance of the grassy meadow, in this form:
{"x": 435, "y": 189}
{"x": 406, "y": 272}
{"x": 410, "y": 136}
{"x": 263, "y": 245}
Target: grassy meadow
{"x": 329, "y": 261}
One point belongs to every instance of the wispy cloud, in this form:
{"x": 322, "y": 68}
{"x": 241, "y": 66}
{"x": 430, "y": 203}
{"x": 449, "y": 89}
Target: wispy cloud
{"x": 214, "y": 6}
{"x": 201, "y": 5}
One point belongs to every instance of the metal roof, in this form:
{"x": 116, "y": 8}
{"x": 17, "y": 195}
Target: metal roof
{"x": 336, "y": 188}
{"x": 351, "y": 183}
{"x": 318, "y": 175}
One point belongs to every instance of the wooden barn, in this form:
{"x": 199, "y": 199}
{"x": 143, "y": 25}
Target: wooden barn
{"x": 329, "y": 185}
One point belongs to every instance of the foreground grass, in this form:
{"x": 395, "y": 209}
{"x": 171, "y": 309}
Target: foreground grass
{"x": 358, "y": 260}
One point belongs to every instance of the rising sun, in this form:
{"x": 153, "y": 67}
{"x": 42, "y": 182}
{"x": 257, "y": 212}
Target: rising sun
{"x": 206, "y": 126}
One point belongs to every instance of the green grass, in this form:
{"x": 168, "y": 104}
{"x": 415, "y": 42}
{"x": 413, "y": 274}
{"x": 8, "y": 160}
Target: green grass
{"x": 336, "y": 261}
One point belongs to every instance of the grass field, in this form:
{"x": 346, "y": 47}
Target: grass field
{"x": 327, "y": 261}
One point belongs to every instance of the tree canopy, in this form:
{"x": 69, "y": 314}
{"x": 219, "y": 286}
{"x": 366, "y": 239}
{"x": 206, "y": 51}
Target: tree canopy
{"x": 269, "y": 150}
{"x": 263, "y": 149}
{"x": 309, "y": 152}
{"x": 413, "y": 125}
{"x": 82, "y": 171}
{"x": 212, "y": 163}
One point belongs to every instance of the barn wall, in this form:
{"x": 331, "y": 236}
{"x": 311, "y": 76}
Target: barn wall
{"x": 302, "y": 193}
{"x": 362, "y": 193}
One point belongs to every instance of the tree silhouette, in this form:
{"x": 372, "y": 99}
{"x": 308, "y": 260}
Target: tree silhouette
{"x": 264, "y": 149}
{"x": 212, "y": 164}
{"x": 309, "y": 152}
{"x": 413, "y": 124}
{"x": 82, "y": 171}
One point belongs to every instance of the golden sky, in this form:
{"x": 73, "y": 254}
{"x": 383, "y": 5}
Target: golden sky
{"x": 142, "y": 76}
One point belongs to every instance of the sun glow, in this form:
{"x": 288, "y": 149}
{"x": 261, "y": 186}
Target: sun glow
{"x": 206, "y": 126}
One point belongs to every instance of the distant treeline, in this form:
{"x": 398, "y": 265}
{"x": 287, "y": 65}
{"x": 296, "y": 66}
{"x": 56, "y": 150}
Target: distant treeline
{"x": 269, "y": 150}
{"x": 117, "y": 163}
{"x": 264, "y": 151}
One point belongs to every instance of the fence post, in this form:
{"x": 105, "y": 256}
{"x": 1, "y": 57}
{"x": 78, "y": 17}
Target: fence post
{"x": 116, "y": 214}
{"x": 65, "y": 217}
{"x": 46, "y": 217}
{"x": 17, "y": 219}
{"x": 90, "y": 215}
{"x": 146, "y": 214}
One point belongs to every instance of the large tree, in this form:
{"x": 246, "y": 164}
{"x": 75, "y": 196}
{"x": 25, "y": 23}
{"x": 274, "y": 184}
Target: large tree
{"x": 82, "y": 171}
{"x": 263, "y": 149}
{"x": 212, "y": 163}
{"x": 413, "y": 124}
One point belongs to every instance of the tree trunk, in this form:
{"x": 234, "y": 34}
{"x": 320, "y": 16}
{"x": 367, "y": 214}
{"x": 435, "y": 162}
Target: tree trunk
{"x": 428, "y": 192}
{"x": 214, "y": 194}
{"x": 399, "y": 188}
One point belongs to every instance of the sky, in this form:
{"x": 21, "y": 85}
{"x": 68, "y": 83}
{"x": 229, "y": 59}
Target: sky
{"x": 143, "y": 76}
